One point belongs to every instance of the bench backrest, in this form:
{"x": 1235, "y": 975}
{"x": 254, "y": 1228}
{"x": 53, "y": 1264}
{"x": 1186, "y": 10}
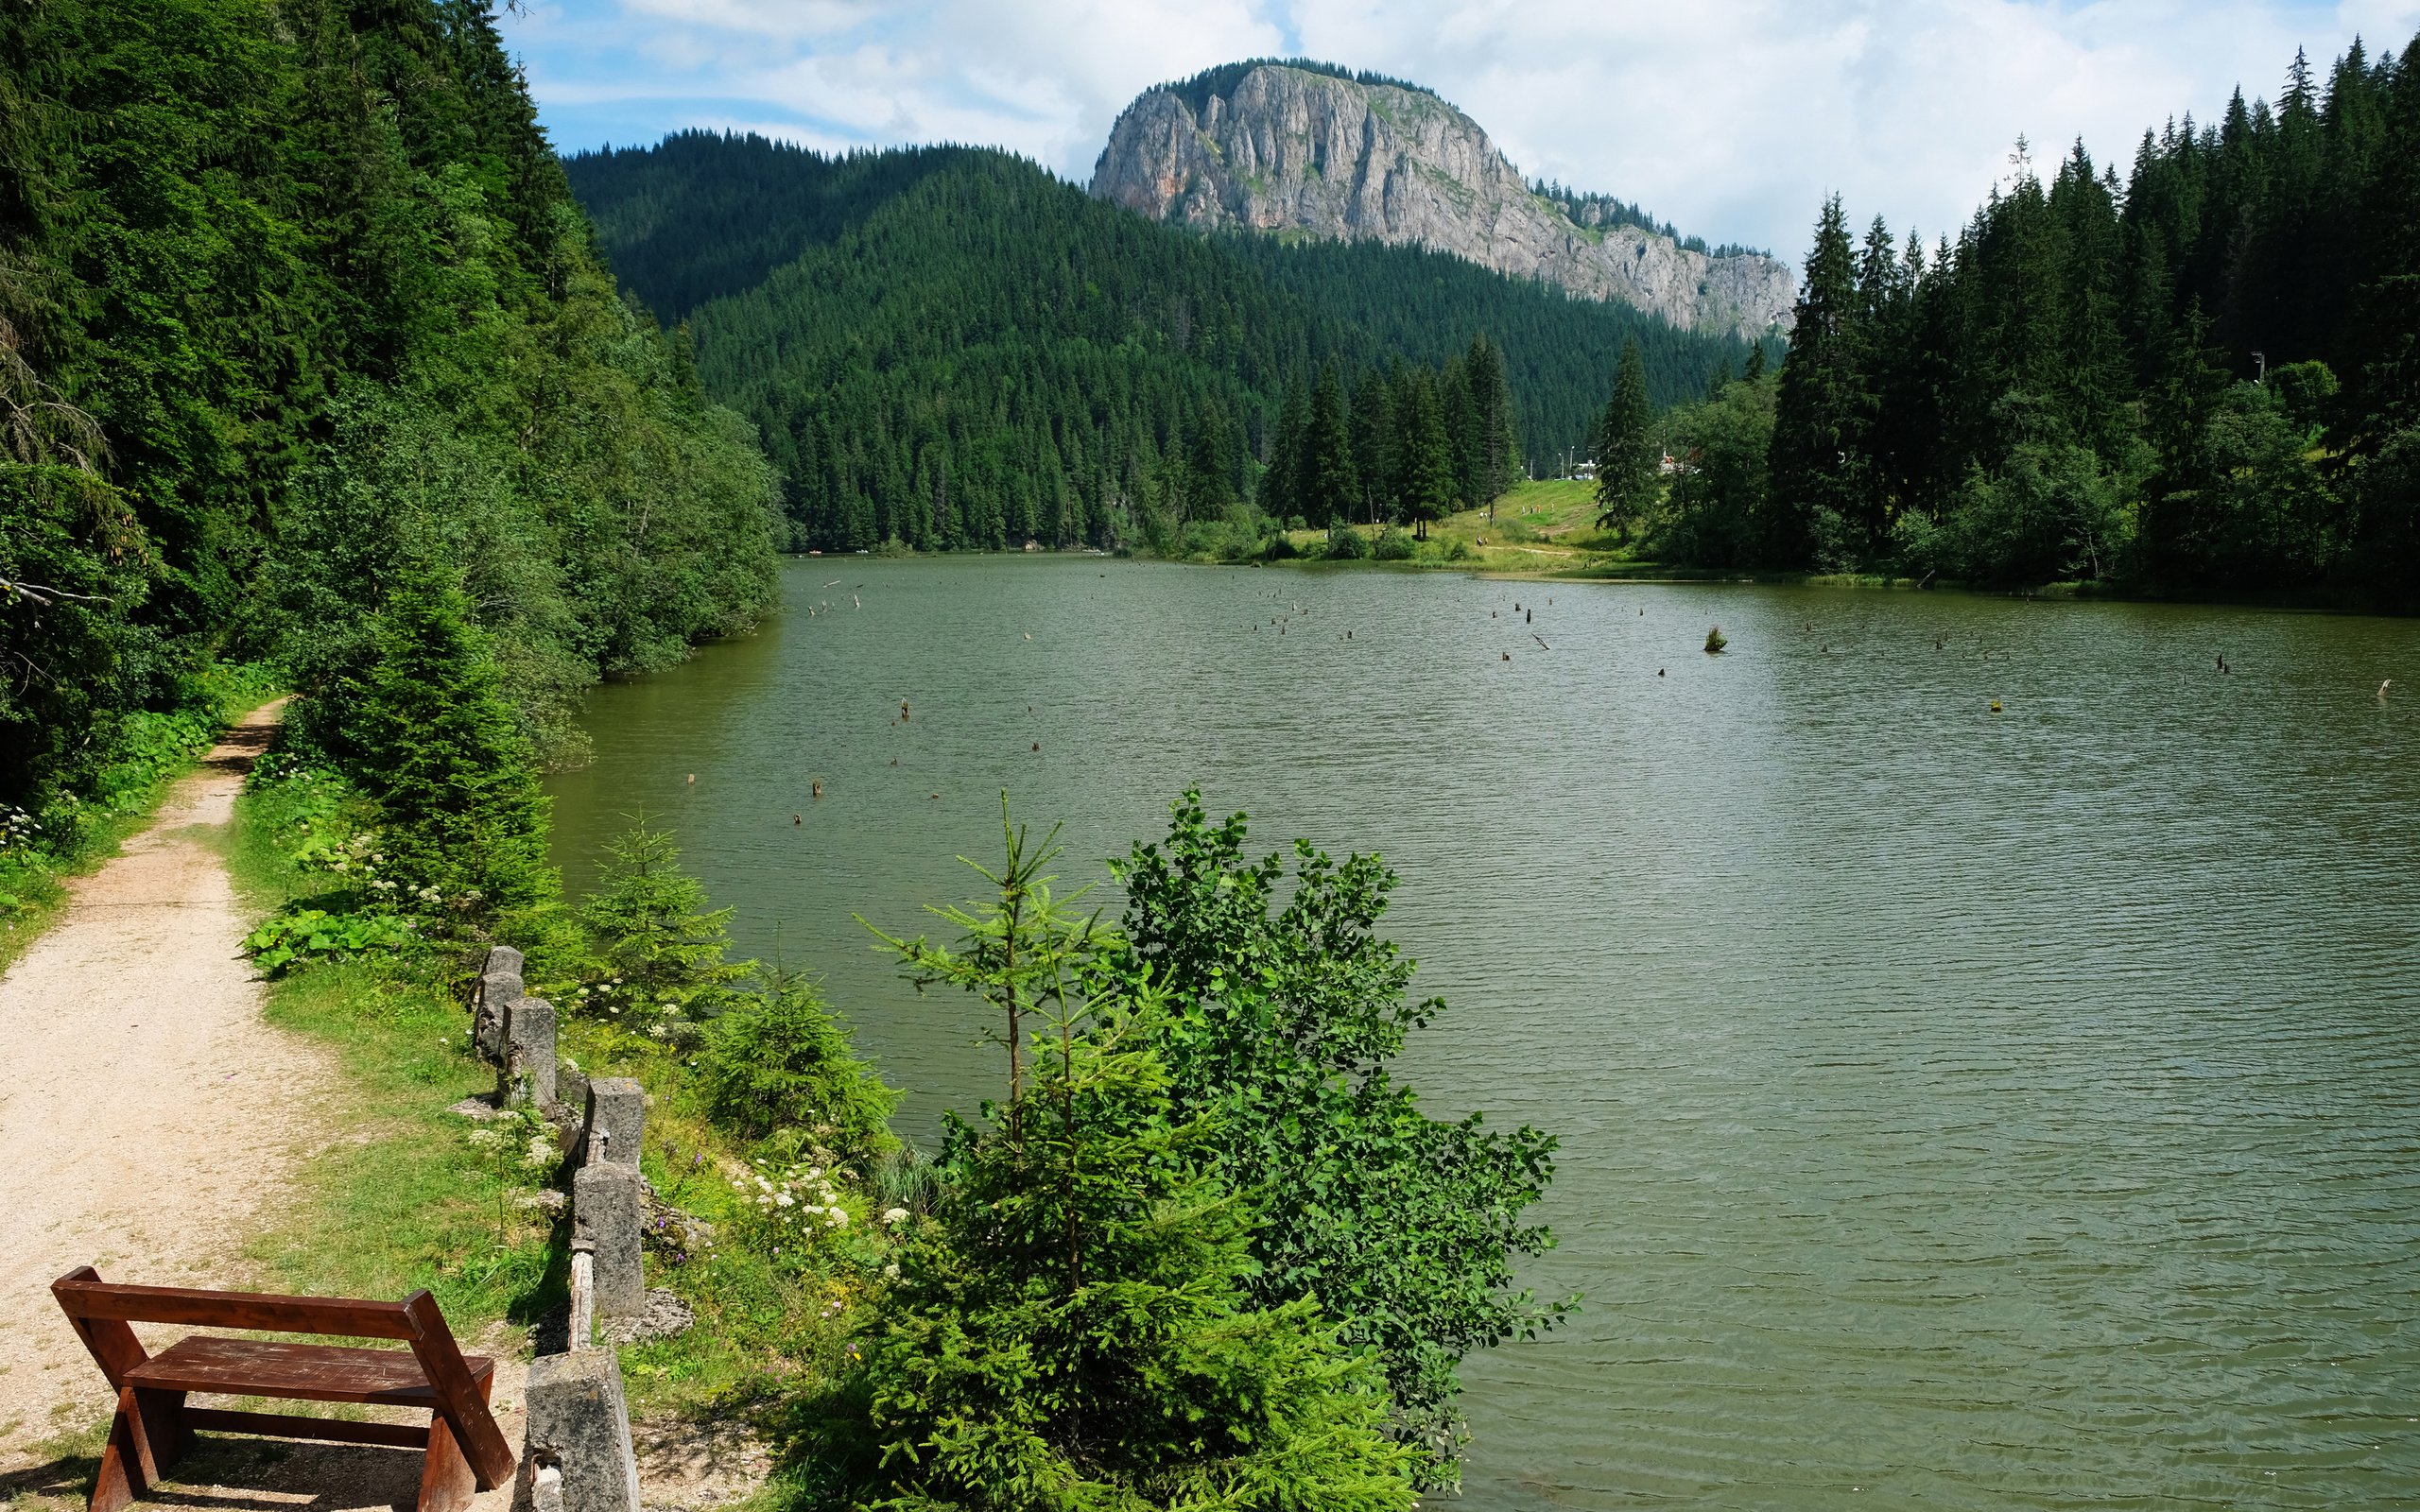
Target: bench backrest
{"x": 100, "y": 1312}
{"x": 82, "y": 1293}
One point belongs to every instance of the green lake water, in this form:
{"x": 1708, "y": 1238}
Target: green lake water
{"x": 1959, "y": 1109}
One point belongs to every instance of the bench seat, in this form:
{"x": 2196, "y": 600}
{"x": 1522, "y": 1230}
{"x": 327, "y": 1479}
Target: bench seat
{"x": 304, "y": 1372}
{"x": 462, "y": 1450}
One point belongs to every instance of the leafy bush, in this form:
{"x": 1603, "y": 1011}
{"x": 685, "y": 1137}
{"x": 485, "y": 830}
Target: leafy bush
{"x": 1394, "y": 543}
{"x": 306, "y": 934}
{"x": 1284, "y": 1006}
{"x": 780, "y": 1064}
{"x": 1075, "y": 1327}
{"x": 1347, "y": 544}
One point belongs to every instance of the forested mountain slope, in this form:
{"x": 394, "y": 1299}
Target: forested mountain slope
{"x": 294, "y": 305}
{"x": 949, "y": 346}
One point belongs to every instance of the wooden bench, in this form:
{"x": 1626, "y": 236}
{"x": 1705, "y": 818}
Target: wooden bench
{"x": 464, "y": 1449}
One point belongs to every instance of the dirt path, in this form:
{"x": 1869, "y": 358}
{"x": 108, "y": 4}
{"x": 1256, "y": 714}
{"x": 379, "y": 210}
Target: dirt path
{"x": 149, "y": 1121}
{"x": 148, "y": 1112}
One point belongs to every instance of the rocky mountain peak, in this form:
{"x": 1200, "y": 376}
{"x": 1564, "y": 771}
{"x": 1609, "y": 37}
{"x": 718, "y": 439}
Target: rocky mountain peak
{"x": 1307, "y": 151}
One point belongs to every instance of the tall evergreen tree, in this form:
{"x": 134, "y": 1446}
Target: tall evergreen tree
{"x": 1821, "y": 472}
{"x": 1427, "y": 479}
{"x": 431, "y": 740}
{"x": 1331, "y": 486}
{"x": 1495, "y": 445}
{"x": 1626, "y": 451}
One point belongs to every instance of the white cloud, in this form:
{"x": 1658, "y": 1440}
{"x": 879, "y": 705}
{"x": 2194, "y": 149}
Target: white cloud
{"x": 1731, "y": 118}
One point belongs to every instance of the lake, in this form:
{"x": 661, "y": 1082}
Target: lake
{"x": 1959, "y": 1109}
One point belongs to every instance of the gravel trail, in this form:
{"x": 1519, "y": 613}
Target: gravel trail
{"x": 148, "y": 1114}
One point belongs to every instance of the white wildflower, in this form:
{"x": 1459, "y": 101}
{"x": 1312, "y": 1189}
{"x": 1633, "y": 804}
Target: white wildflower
{"x": 895, "y": 1215}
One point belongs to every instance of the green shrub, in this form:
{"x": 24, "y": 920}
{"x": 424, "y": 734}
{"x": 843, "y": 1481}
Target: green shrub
{"x": 314, "y": 935}
{"x": 1347, "y": 544}
{"x": 659, "y": 949}
{"x": 780, "y": 1064}
{"x": 1394, "y": 543}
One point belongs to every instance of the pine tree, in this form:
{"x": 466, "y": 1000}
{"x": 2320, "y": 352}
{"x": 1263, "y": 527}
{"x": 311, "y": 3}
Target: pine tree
{"x": 1428, "y": 483}
{"x": 1821, "y": 474}
{"x": 1495, "y": 443}
{"x": 1330, "y": 485}
{"x": 659, "y": 949}
{"x": 1625, "y": 449}
{"x": 432, "y": 742}
{"x": 1281, "y": 486}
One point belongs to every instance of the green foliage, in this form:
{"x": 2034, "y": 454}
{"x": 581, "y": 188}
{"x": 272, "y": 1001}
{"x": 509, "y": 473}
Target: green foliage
{"x": 1347, "y": 544}
{"x": 1281, "y": 1021}
{"x": 658, "y": 949}
{"x": 305, "y": 935}
{"x": 296, "y": 296}
{"x": 1072, "y": 1330}
{"x": 429, "y": 740}
{"x": 779, "y": 1061}
{"x": 796, "y": 1215}
{"x": 1394, "y": 545}
{"x": 1716, "y": 510}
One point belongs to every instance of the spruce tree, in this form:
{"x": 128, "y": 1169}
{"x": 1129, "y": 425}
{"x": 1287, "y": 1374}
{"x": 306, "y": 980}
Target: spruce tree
{"x": 1495, "y": 442}
{"x": 1625, "y": 449}
{"x": 1820, "y": 469}
{"x": 1281, "y": 488}
{"x": 659, "y": 949}
{"x": 1429, "y": 489}
{"x": 429, "y": 738}
{"x": 1329, "y": 483}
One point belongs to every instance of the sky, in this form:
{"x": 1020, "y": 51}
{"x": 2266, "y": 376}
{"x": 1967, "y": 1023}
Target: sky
{"x": 1730, "y": 118}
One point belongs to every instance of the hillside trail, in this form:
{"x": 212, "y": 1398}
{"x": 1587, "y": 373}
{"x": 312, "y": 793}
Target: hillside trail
{"x": 151, "y": 1120}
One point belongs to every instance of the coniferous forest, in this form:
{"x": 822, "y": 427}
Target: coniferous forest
{"x": 950, "y": 347}
{"x": 296, "y": 308}
{"x": 2199, "y": 375}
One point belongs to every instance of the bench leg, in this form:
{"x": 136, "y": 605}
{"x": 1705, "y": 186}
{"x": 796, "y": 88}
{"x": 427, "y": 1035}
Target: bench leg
{"x": 147, "y": 1438}
{"x": 447, "y": 1481}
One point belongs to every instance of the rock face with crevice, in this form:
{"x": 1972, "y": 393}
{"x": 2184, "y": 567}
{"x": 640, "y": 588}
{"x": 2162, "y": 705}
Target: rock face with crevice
{"x": 1290, "y": 151}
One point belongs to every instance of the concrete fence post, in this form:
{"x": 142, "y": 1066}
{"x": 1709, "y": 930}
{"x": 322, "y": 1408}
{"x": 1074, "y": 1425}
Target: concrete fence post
{"x": 491, "y": 1003}
{"x": 529, "y": 1074}
{"x": 609, "y": 1207}
{"x": 578, "y": 1456}
{"x": 616, "y": 1121}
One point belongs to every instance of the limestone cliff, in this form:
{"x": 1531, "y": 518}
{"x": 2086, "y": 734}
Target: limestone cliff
{"x": 1288, "y": 149}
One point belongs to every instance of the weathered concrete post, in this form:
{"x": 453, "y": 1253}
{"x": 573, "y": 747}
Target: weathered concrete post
{"x": 607, "y": 1206}
{"x": 616, "y": 1121}
{"x": 579, "y": 1431}
{"x": 529, "y": 1054}
{"x": 492, "y": 1001}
